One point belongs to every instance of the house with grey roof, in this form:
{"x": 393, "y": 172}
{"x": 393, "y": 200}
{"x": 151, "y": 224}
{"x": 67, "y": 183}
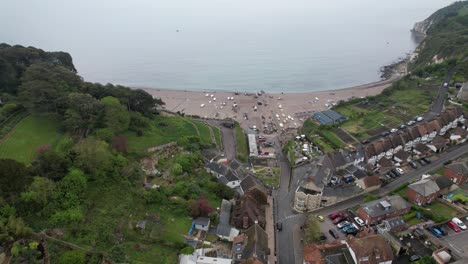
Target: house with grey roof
{"x": 252, "y": 245}
{"x": 395, "y": 224}
{"x": 378, "y": 210}
{"x": 423, "y": 191}
{"x": 224, "y": 230}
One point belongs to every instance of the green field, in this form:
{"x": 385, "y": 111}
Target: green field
{"x": 163, "y": 129}
{"x": 28, "y": 135}
{"x": 241, "y": 146}
{"x": 217, "y": 135}
{"x": 204, "y": 131}
{"x": 441, "y": 211}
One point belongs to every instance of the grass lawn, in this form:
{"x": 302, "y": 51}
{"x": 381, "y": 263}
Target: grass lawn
{"x": 269, "y": 176}
{"x": 324, "y": 146}
{"x": 333, "y": 138}
{"x": 441, "y": 210}
{"x": 163, "y": 129}
{"x": 204, "y": 130}
{"x": 27, "y": 136}
{"x": 217, "y": 135}
{"x": 241, "y": 144}
{"x": 414, "y": 221}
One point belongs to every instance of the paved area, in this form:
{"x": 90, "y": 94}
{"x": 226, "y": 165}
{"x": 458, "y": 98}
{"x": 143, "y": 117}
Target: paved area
{"x": 229, "y": 142}
{"x": 457, "y": 241}
{"x": 270, "y": 229}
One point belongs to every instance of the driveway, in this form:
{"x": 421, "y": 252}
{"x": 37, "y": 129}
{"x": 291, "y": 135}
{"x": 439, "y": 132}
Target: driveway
{"x": 229, "y": 142}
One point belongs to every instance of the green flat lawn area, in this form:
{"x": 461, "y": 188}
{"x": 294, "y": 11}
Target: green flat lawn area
{"x": 324, "y": 146}
{"x": 28, "y": 135}
{"x": 217, "y": 135}
{"x": 204, "y": 130}
{"x": 442, "y": 210}
{"x": 241, "y": 144}
{"x": 163, "y": 129}
{"x": 333, "y": 138}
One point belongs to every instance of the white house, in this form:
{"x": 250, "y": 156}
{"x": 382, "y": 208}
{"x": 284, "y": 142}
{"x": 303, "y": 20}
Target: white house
{"x": 202, "y": 223}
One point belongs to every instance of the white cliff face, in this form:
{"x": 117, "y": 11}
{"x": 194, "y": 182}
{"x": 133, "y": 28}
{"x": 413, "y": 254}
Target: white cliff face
{"x": 423, "y": 26}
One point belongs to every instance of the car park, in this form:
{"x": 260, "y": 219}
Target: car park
{"x": 343, "y": 224}
{"x": 338, "y": 219}
{"x": 359, "y": 221}
{"x": 453, "y": 226}
{"x": 413, "y": 164}
{"x": 332, "y": 216}
{"x": 436, "y": 232}
{"x": 414, "y": 258}
{"x": 459, "y": 223}
{"x": 333, "y": 233}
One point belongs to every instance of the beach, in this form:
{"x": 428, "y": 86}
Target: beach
{"x": 263, "y": 110}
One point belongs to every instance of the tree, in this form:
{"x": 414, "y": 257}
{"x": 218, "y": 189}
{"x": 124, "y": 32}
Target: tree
{"x": 116, "y": 116}
{"x": 92, "y": 156}
{"x": 70, "y": 190}
{"x": 11, "y": 231}
{"x": 177, "y": 169}
{"x": 72, "y": 257}
{"x": 200, "y": 207}
{"x": 40, "y": 192}
{"x": 50, "y": 164}
{"x": 312, "y": 230}
{"x": 141, "y": 101}
{"x": 120, "y": 143}
{"x": 83, "y": 112}
{"x": 13, "y": 178}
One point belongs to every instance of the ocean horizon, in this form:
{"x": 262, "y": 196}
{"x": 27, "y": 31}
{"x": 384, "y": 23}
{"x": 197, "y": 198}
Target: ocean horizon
{"x": 244, "y": 46}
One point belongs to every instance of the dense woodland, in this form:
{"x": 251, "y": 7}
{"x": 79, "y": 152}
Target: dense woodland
{"x": 88, "y": 189}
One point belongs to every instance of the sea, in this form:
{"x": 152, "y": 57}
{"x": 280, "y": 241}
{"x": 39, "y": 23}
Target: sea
{"x": 231, "y": 45}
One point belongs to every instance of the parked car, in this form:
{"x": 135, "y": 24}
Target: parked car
{"x": 422, "y": 162}
{"x": 359, "y": 221}
{"x": 413, "y": 164}
{"x": 338, "y": 219}
{"x": 346, "y": 228}
{"x": 349, "y": 179}
{"x": 343, "y": 224}
{"x": 333, "y": 233}
{"x": 261, "y": 137}
{"x": 400, "y": 170}
{"x": 352, "y": 231}
{"x": 320, "y": 218}
{"x": 459, "y": 223}
{"x": 453, "y": 226}
{"x": 384, "y": 134}
{"x": 332, "y": 216}
{"x": 414, "y": 258}
{"x": 436, "y": 232}
{"x": 419, "y": 118}
{"x": 393, "y": 130}
{"x": 268, "y": 144}
{"x": 427, "y": 160}
{"x": 402, "y": 126}
{"x": 279, "y": 226}
{"x": 443, "y": 230}
{"x": 365, "y": 141}
{"x": 323, "y": 236}
{"x": 419, "y": 234}
{"x": 410, "y": 123}
{"x": 396, "y": 172}
{"x": 392, "y": 174}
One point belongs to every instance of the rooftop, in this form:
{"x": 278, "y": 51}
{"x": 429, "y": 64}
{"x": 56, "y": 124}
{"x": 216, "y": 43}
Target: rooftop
{"x": 425, "y": 187}
{"x": 380, "y": 207}
{"x": 373, "y": 248}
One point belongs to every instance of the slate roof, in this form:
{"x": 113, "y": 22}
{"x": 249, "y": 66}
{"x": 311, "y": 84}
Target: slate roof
{"x": 256, "y": 244}
{"x": 251, "y": 182}
{"x": 201, "y": 221}
{"x": 336, "y": 117}
{"x": 235, "y": 164}
{"x": 231, "y": 176}
{"x": 459, "y": 167}
{"x": 323, "y": 119}
{"x": 225, "y": 214}
{"x": 442, "y": 182}
{"x": 218, "y": 168}
{"x": 385, "y": 163}
{"x": 439, "y": 142}
{"x": 360, "y": 174}
{"x": 337, "y": 159}
{"x": 374, "y": 247}
{"x": 395, "y": 222}
{"x": 425, "y": 187}
{"x": 421, "y": 148}
{"x": 223, "y": 179}
{"x": 375, "y": 209}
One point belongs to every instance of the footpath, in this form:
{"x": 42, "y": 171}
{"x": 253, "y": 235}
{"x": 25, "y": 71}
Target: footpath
{"x": 270, "y": 230}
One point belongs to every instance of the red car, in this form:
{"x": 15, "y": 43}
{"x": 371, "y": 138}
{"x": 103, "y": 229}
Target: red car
{"x": 338, "y": 219}
{"x": 453, "y": 226}
{"x": 334, "y": 215}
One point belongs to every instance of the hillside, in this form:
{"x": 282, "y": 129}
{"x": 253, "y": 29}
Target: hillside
{"x": 446, "y": 36}
{"x": 79, "y": 171}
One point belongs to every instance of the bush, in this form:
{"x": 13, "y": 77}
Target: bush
{"x": 72, "y": 257}
{"x": 409, "y": 216}
{"x": 312, "y": 230}
{"x": 187, "y": 250}
{"x": 370, "y": 197}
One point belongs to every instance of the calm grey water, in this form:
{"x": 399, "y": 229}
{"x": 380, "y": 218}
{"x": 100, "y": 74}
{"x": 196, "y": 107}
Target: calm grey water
{"x": 242, "y": 45}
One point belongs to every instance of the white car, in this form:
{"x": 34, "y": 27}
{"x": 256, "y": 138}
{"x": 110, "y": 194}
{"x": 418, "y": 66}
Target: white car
{"x": 459, "y": 223}
{"x": 359, "y": 221}
{"x": 343, "y": 224}
{"x": 419, "y": 119}
{"x": 400, "y": 170}
{"x": 393, "y": 130}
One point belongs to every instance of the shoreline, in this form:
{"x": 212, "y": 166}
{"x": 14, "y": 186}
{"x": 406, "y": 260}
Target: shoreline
{"x": 270, "y": 110}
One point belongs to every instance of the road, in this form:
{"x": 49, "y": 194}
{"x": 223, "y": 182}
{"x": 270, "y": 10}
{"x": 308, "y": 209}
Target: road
{"x": 438, "y": 104}
{"x": 229, "y": 142}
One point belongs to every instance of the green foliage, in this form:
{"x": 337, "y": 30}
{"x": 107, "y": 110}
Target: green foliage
{"x": 189, "y": 161}
{"x": 13, "y": 179}
{"x": 116, "y": 116}
{"x": 28, "y": 135}
{"x": 117, "y": 253}
{"x": 70, "y": 190}
{"x": 50, "y": 164}
{"x": 68, "y": 217}
{"x": 426, "y": 260}
{"x": 155, "y": 196}
{"x": 409, "y": 216}
{"x": 177, "y": 169}
{"x": 459, "y": 198}
{"x": 312, "y": 230}
{"x": 368, "y": 197}
{"x": 72, "y": 257}
{"x": 242, "y": 151}
{"x": 83, "y": 112}
{"x": 11, "y": 231}
{"x": 40, "y": 192}
{"x": 187, "y": 250}
{"x": 92, "y": 156}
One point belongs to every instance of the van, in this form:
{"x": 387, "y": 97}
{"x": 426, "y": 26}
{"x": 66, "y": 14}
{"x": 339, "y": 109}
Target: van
{"x": 279, "y": 226}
